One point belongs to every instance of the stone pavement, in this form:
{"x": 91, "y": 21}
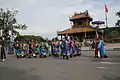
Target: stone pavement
{"x": 83, "y": 67}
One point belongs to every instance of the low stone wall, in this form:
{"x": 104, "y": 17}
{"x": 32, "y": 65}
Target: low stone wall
{"x": 115, "y": 40}
{"x": 109, "y": 46}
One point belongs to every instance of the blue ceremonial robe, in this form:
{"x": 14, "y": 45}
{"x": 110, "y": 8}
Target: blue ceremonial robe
{"x": 101, "y": 48}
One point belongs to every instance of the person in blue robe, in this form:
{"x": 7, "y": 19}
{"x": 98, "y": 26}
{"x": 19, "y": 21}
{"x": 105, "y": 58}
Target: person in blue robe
{"x": 101, "y": 48}
{"x": 56, "y": 49}
{"x": 62, "y": 46}
{"x": 67, "y": 48}
{"x": 46, "y": 45}
{"x": 18, "y": 49}
{"x": 71, "y": 48}
{"x": 42, "y": 50}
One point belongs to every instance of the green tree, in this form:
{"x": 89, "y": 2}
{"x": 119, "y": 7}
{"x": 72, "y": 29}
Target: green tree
{"x": 118, "y": 22}
{"x": 9, "y": 23}
{"x": 29, "y": 37}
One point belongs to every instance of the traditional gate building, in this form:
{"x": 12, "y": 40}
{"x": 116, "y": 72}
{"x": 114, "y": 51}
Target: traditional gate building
{"x": 81, "y": 27}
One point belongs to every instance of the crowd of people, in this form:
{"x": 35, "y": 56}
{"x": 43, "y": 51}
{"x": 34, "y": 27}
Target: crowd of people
{"x": 30, "y": 48}
{"x": 65, "y": 48}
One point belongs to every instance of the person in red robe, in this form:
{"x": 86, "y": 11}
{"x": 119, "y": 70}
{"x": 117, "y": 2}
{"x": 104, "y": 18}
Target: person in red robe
{"x": 96, "y": 47}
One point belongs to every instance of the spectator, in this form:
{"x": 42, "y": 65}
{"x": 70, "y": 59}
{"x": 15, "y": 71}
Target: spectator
{"x": 3, "y": 55}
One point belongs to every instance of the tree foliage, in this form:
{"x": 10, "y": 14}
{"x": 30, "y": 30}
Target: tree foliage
{"x": 29, "y": 37}
{"x": 113, "y": 34}
{"x": 118, "y": 21}
{"x": 118, "y": 14}
{"x": 9, "y": 23}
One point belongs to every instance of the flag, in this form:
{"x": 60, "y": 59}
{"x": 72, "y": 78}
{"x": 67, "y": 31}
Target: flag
{"x": 106, "y": 8}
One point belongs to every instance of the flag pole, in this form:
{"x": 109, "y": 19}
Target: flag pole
{"x": 106, "y": 20}
{"x": 106, "y": 17}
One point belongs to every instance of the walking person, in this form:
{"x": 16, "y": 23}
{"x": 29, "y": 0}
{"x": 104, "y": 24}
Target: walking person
{"x": 67, "y": 48}
{"x": 96, "y": 47}
{"x": 63, "y": 48}
{"x": 57, "y": 47}
{"x": 101, "y": 48}
{"x": 3, "y": 55}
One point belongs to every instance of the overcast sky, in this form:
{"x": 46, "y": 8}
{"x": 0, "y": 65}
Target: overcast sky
{"x": 45, "y": 17}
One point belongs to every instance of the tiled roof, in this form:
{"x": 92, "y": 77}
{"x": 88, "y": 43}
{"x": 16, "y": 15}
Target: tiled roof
{"x": 78, "y": 16}
{"x": 76, "y": 30}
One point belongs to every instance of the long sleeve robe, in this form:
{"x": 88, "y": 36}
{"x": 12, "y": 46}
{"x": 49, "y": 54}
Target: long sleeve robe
{"x": 101, "y": 48}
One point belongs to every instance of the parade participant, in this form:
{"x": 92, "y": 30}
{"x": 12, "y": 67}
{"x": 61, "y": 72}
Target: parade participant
{"x": 11, "y": 49}
{"x": 3, "y": 55}
{"x": 36, "y": 47}
{"x": 101, "y": 48}
{"x": 76, "y": 48}
{"x": 56, "y": 48}
{"x": 67, "y": 48}
{"x": 49, "y": 48}
{"x": 18, "y": 49}
{"x": 96, "y": 48}
{"x": 46, "y": 48}
{"x": 31, "y": 48}
{"x": 42, "y": 50}
{"x": 63, "y": 48}
{"x": 52, "y": 46}
{"x": 73, "y": 48}
{"x": 24, "y": 49}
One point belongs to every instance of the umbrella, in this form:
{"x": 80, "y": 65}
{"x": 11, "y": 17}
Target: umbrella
{"x": 98, "y": 22}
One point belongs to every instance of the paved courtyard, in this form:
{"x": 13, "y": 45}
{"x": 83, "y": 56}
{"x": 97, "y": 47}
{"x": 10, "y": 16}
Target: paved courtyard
{"x": 83, "y": 67}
